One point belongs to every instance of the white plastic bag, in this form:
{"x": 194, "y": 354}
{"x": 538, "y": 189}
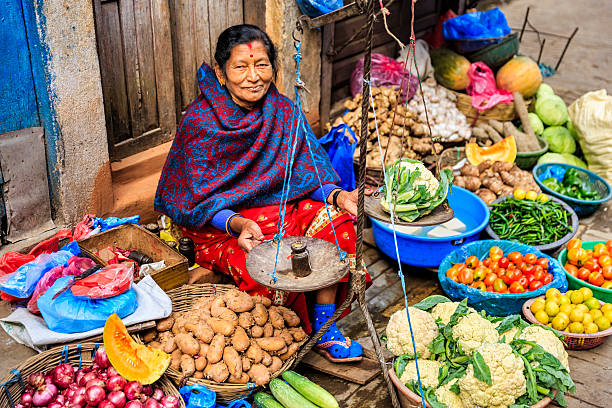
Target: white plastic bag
{"x": 423, "y": 61}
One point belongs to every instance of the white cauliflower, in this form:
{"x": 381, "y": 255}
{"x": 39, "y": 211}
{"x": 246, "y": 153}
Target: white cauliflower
{"x": 447, "y": 397}
{"x": 548, "y": 341}
{"x": 428, "y": 370}
{"x": 445, "y": 311}
{"x": 508, "y": 381}
{"x": 473, "y": 330}
{"x": 508, "y": 335}
{"x": 398, "y": 332}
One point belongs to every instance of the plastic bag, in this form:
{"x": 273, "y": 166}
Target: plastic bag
{"x": 316, "y": 8}
{"x": 496, "y": 304}
{"x": 435, "y": 39}
{"x": 22, "y": 282}
{"x": 489, "y": 24}
{"x": 340, "y": 151}
{"x": 83, "y": 228}
{"x": 112, "y": 222}
{"x": 385, "y": 71}
{"x": 112, "y": 280}
{"x": 483, "y": 90}
{"x": 11, "y": 260}
{"x": 423, "y": 60}
{"x": 72, "y": 314}
{"x": 51, "y": 245}
{"x": 76, "y": 266}
{"x": 591, "y": 115}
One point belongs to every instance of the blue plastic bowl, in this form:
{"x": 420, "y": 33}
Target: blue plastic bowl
{"x": 429, "y": 251}
{"x": 582, "y": 208}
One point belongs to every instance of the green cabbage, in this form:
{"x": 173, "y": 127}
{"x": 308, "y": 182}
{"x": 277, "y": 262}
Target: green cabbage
{"x": 570, "y": 126}
{"x": 536, "y": 123}
{"x": 544, "y": 90}
{"x": 564, "y": 158}
{"x": 551, "y": 110}
{"x": 559, "y": 139}
{"x": 573, "y": 160}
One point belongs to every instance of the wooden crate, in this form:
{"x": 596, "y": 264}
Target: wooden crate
{"x": 132, "y": 236}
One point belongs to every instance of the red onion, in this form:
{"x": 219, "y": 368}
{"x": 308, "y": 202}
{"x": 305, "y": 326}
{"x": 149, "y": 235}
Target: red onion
{"x": 152, "y": 403}
{"x": 95, "y": 381}
{"x": 78, "y": 400}
{"x": 158, "y": 394}
{"x": 170, "y": 401}
{"x": 132, "y": 390}
{"x": 101, "y": 358}
{"x": 26, "y": 398}
{"x": 134, "y": 404}
{"x": 20, "y": 406}
{"x": 147, "y": 390}
{"x": 44, "y": 395}
{"x": 117, "y": 398}
{"x": 49, "y": 378}
{"x": 36, "y": 379}
{"x": 63, "y": 375}
{"x": 110, "y": 371}
{"x": 106, "y": 404}
{"x": 61, "y": 399}
{"x": 116, "y": 383}
{"x": 94, "y": 395}
{"x": 55, "y": 405}
{"x": 87, "y": 377}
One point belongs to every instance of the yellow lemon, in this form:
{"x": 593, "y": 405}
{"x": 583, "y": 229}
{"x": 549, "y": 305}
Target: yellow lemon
{"x": 576, "y": 327}
{"x": 531, "y": 195}
{"x": 586, "y": 293}
{"x": 595, "y": 313}
{"x": 559, "y": 322}
{"x": 519, "y": 193}
{"x": 608, "y": 315}
{"x": 582, "y": 307}
{"x": 567, "y": 309}
{"x": 542, "y": 198}
{"x": 552, "y": 293}
{"x": 569, "y": 293}
{"x": 576, "y": 315}
{"x": 592, "y": 303}
{"x": 587, "y": 319}
{"x": 577, "y": 297}
{"x": 606, "y": 307}
{"x": 537, "y": 305}
{"x": 591, "y": 328}
{"x": 551, "y": 308}
{"x": 541, "y": 317}
{"x": 602, "y": 323}
{"x": 564, "y": 299}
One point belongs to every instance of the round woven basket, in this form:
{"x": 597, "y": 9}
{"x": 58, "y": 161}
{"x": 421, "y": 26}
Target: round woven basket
{"x": 573, "y": 341}
{"x": 183, "y": 298}
{"x": 76, "y": 354}
{"x": 502, "y": 111}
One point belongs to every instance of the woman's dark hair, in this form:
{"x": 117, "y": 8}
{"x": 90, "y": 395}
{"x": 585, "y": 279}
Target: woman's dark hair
{"x": 242, "y": 34}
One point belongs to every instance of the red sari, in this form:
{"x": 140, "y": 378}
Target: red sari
{"x": 220, "y": 252}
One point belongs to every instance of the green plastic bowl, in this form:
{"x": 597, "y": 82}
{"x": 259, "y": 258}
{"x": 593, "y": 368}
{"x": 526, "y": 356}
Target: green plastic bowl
{"x": 602, "y": 294}
{"x": 496, "y": 55}
{"x": 526, "y": 160}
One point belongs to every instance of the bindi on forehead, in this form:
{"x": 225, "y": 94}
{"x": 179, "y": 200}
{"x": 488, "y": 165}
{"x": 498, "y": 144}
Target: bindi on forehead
{"x": 250, "y": 49}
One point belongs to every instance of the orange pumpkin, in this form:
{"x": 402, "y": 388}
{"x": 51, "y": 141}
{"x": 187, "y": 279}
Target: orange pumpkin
{"x": 504, "y": 150}
{"x": 520, "y": 74}
{"x": 135, "y": 362}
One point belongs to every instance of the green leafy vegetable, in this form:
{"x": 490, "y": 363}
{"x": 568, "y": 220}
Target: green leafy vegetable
{"x": 559, "y": 139}
{"x": 400, "y": 364}
{"x": 481, "y": 369}
{"x": 429, "y": 302}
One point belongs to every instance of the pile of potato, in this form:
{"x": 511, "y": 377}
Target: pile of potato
{"x": 232, "y": 338}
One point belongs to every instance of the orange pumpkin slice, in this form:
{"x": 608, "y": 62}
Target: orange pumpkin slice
{"x": 133, "y": 361}
{"x": 504, "y": 150}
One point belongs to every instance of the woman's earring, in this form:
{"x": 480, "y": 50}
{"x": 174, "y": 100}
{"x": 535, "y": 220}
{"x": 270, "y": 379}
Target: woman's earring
{"x": 222, "y": 82}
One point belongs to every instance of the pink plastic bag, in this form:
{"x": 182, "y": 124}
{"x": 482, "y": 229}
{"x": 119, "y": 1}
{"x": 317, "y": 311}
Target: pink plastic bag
{"x": 76, "y": 266}
{"x": 112, "y": 280}
{"x": 385, "y": 71}
{"x": 84, "y": 227}
{"x": 483, "y": 90}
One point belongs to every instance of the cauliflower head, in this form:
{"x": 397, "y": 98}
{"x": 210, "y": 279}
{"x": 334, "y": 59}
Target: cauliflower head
{"x": 445, "y": 311}
{"x": 447, "y": 397}
{"x": 508, "y": 381}
{"x": 473, "y": 330}
{"x": 507, "y": 335}
{"x": 548, "y": 341}
{"x": 428, "y": 369}
{"x": 424, "y": 328}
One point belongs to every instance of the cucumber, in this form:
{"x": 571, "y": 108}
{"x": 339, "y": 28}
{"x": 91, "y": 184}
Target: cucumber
{"x": 264, "y": 400}
{"x": 311, "y": 391}
{"x": 287, "y": 396}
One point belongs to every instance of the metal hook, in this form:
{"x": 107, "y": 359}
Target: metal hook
{"x": 298, "y": 29}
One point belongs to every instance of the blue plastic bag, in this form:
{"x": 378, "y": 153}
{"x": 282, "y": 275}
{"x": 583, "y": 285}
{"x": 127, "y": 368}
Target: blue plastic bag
{"x": 316, "y": 8}
{"x": 488, "y": 24}
{"x": 340, "y": 152}
{"x": 112, "y": 222}
{"x": 22, "y": 282}
{"x": 496, "y": 304}
{"x": 198, "y": 396}
{"x": 72, "y": 314}
{"x": 557, "y": 172}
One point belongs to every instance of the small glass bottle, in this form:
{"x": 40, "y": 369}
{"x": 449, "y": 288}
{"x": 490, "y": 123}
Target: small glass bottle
{"x": 187, "y": 248}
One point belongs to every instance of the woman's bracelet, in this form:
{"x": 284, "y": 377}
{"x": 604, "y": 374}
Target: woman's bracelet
{"x": 228, "y": 228}
{"x": 335, "y": 195}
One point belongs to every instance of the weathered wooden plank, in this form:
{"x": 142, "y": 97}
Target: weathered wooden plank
{"x": 217, "y": 21}
{"x": 255, "y": 12}
{"x": 326, "y": 73}
{"x": 343, "y": 69}
{"x": 234, "y": 13}
{"x": 573, "y": 402}
{"x": 381, "y": 266}
{"x": 183, "y": 31}
{"x": 146, "y": 64}
{"x": 358, "y": 372}
{"x": 204, "y": 45}
{"x": 132, "y": 73}
{"x": 339, "y": 388}
{"x": 164, "y": 72}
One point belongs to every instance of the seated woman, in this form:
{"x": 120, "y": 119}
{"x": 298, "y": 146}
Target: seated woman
{"x": 224, "y": 175}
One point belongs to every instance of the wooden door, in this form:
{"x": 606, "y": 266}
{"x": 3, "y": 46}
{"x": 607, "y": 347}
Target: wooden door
{"x": 135, "y": 51}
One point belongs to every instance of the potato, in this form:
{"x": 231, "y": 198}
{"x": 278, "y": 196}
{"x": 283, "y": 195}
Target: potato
{"x": 271, "y": 343}
{"x": 168, "y": 342}
{"x": 187, "y": 344}
{"x": 217, "y": 372}
{"x": 175, "y": 359}
{"x": 220, "y": 326}
{"x": 165, "y": 324}
{"x": 259, "y": 374}
{"x": 233, "y": 361}
{"x": 290, "y": 317}
{"x": 243, "y": 379}
{"x": 198, "y": 374}
{"x": 266, "y": 359}
{"x": 267, "y": 302}
{"x": 203, "y": 303}
{"x": 179, "y": 323}
{"x": 200, "y": 363}
{"x": 285, "y": 335}
{"x": 203, "y": 349}
{"x": 257, "y": 331}
{"x": 215, "y": 349}
{"x": 240, "y": 340}
{"x": 238, "y": 301}
{"x": 260, "y": 314}
{"x": 268, "y": 330}
{"x": 245, "y": 320}
{"x": 187, "y": 365}
{"x": 246, "y": 363}
{"x": 275, "y": 318}
{"x": 254, "y": 352}
{"x": 217, "y": 306}
{"x": 201, "y": 331}
{"x": 298, "y": 333}
{"x": 149, "y": 335}
{"x": 276, "y": 365}
{"x": 227, "y": 314}
{"x": 293, "y": 347}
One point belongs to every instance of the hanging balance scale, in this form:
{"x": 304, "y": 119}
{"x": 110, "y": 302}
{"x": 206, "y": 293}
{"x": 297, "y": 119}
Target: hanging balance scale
{"x": 439, "y": 215}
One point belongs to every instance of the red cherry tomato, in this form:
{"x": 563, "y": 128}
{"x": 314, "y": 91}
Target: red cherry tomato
{"x": 472, "y": 262}
{"x": 596, "y": 278}
{"x": 495, "y": 251}
{"x": 543, "y": 262}
{"x": 591, "y": 265}
{"x": 530, "y": 258}
{"x": 538, "y": 275}
{"x": 547, "y": 278}
{"x": 523, "y": 281}
{"x": 487, "y": 262}
{"x": 479, "y": 285}
{"x": 599, "y": 250}
{"x": 499, "y": 285}
{"x": 605, "y": 260}
{"x": 607, "y": 272}
{"x": 535, "y": 285}
{"x": 516, "y": 288}
{"x": 574, "y": 243}
{"x": 480, "y": 273}
{"x": 489, "y": 288}
{"x": 583, "y": 273}
{"x": 528, "y": 269}
{"x": 490, "y": 279}
{"x": 609, "y": 245}
{"x": 466, "y": 276}
{"x": 515, "y": 257}
{"x": 503, "y": 262}
{"x": 460, "y": 266}
{"x": 530, "y": 278}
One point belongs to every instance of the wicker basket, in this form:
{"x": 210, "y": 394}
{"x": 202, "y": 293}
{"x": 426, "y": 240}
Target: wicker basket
{"x": 502, "y": 111}
{"x": 182, "y": 299}
{"x": 573, "y": 341}
{"x": 449, "y": 157}
{"x": 79, "y": 354}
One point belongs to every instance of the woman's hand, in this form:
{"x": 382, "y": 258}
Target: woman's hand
{"x": 347, "y": 201}
{"x": 250, "y": 233}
